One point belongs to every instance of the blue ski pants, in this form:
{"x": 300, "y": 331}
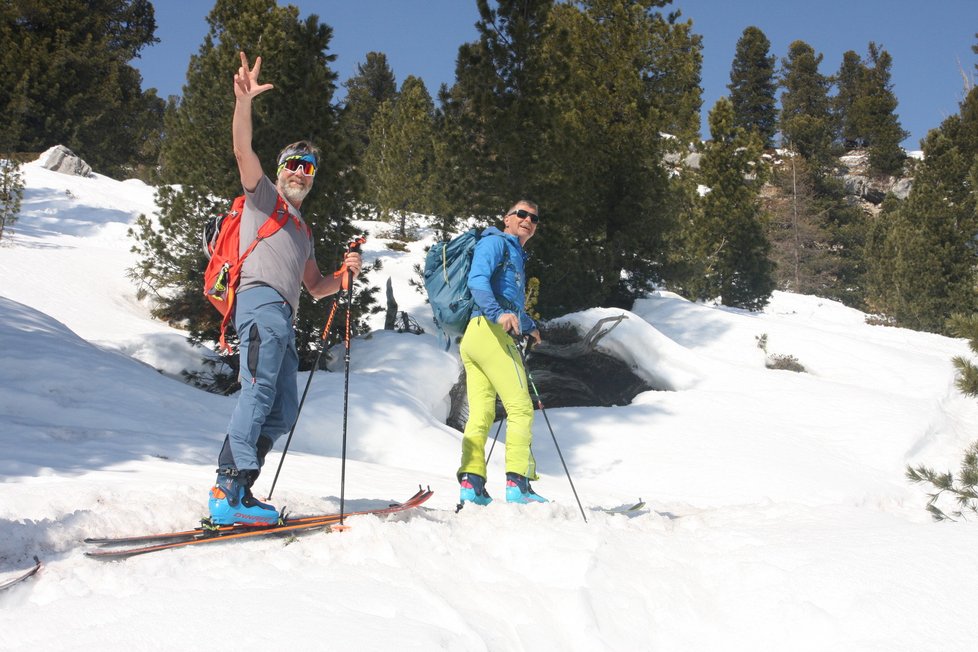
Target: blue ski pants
{"x": 268, "y": 403}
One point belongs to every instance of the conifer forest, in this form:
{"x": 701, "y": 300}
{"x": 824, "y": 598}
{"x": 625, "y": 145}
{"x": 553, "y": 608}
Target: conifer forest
{"x": 592, "y": 108}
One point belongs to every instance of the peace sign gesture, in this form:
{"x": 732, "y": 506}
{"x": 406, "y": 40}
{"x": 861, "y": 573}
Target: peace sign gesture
{"x": 246, "y": 84}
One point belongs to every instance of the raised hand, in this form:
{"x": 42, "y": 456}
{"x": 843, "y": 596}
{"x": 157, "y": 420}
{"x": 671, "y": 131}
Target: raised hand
{"x": 246, "y": 84}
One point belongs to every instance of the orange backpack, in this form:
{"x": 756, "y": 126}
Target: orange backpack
{"x": 222, "y": 246}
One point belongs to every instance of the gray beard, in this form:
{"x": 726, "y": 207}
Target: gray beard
{"x": 295, "y": 195}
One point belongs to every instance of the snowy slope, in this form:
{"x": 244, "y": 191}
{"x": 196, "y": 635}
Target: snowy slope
{"x": 778, "y": 515}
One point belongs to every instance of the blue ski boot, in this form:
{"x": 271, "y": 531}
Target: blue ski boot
{"x": 472, "y": 489}
{"x": 231, "y": 500}
{"x": 518, "y": 490}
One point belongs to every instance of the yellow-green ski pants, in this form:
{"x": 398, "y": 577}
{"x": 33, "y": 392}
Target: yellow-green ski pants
{"x": 493, "y": 366}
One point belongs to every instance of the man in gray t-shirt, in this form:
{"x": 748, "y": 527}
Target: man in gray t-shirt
{"x": 265, "y": 308}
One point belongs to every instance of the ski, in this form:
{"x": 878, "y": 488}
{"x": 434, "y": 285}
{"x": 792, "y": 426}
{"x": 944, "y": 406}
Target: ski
{"x": 624, "y": 509}
{"x": 120, "y": 553}
{"x": 223, "y": 530}
{"x": 290, "y": 527}
{"x": 23, "y": 576}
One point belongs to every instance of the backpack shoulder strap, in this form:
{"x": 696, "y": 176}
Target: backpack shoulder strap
{"x": 505, "y": 257}
{"x": 237, "y": 206}
{"x": 271, "y": 226}
{"x": 275, "y": 221}
{"x": 502, "y": 263}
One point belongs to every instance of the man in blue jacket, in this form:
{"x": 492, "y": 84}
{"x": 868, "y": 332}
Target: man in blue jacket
{"x": 493, "y": 364}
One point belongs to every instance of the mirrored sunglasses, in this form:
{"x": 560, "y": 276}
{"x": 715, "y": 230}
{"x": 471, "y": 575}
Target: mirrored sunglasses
{"x": 296, "y": 164}
{"x": 522, "y": 214}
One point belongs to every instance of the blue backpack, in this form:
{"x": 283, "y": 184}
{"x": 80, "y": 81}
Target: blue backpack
{"x": 446, "y": 274}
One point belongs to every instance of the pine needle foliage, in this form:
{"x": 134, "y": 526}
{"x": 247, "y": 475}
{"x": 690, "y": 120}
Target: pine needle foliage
{"x": 817, "y": 235}
{"x": 966, "y": 326}
{"x": 964, "y": 488}
{"x": 11, "y": 192}
{"x": 865, "y": 107}
{"x": 565, "y": 104}
{"x": 365, "y": 92}
{"x": 807, "y": 123}
{"x": 726, "y": 235}
{"x": 878, "y": 103}
{"x": 753, "y": 85}
{"x": 400, "y": 155}
{"x": 921, "y": 257}
{"x": 67, "y": 80}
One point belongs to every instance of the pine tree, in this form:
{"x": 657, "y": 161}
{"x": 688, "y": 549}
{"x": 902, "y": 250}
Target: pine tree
{"x": 673, "y": 80}
{"x": 66, "y": 79}
{"x": 399, "y": 157}
{"x": 727, "y": 237}
{"x": 877, "y": 104}
{"x": 565, "y": 104}
{"x": 464, "y": 126}
{"x": 197, "y": 158}
{"x": 365, "y": 92}
{"x": 449, "y": 179}
{"x": 850, "y": 86}
{"x": 817, "y": 237}
{"x": 496, "y": 111}
{"x": 613, "y": 205}
{"x": 807, "y": 123}
{"x": 798, "y": 230}
{"x": 11, "y": 192}
{"x": 847, "y": 225}
{"x": 865, "y": 109}
{"x": 753, "y": 85}
{"x": 921, "y": 254}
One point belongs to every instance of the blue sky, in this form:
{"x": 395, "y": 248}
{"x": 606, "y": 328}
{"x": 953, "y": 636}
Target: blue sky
{"x": 930, "y": 41}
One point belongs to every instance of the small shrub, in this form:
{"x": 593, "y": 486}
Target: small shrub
{"x": 784, "y": 362}
{"x": 880, "y": 320}
{"x": 778, "y": 360}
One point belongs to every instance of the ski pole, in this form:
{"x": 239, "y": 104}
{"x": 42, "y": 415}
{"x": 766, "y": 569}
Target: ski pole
{"x": 458, "y": 507}
{"x": 288, "y": 441}
{"x": 494, "y": 439}
{"x": 522, "y": 349}
{"x": 348, "y": 284}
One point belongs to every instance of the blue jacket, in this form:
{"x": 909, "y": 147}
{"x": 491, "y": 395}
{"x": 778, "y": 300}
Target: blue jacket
{"x": 496, "y": 292}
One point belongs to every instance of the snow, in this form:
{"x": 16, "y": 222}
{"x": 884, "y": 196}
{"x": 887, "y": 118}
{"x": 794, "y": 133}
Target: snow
{"x": 778, "y": 514}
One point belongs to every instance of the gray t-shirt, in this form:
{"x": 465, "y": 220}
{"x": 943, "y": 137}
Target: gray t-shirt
{"x": 280, "y": 260}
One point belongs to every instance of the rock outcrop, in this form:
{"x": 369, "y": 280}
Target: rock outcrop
{"x": 61, "y": 159}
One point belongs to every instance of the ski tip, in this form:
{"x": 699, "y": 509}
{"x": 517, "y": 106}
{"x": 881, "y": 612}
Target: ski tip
{"x": 29, "y": 573}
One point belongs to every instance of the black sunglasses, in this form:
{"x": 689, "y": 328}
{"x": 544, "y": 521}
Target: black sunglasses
{"x": 522, "y": 214}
